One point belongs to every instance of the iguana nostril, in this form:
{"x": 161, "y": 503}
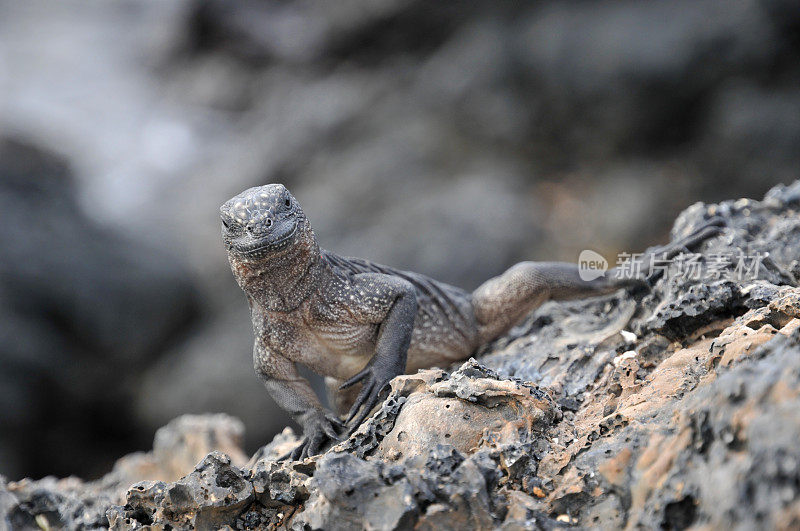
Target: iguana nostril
{"x": 269, "y": 222}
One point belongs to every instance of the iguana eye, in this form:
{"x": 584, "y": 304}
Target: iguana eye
{"x": 288, "y": 202}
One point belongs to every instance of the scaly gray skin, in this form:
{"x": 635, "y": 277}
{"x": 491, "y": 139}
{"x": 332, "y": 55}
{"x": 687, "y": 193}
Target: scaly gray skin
{"x": 354, "y": 321}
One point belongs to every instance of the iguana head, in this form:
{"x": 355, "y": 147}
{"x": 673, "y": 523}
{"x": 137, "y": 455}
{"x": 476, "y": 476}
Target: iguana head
{"x": 264, "y": 223}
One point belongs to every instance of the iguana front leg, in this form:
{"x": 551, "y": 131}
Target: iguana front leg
{"x": 393, "y": 302}
{"x": 293, "y": 393}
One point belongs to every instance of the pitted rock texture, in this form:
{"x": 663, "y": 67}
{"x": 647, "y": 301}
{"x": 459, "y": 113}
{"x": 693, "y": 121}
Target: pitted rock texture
{"x": 470, "y": 409}
{"x": 73, "y": 504}
{"x": 679, "y": 409}
{"x": 214, "y": 494}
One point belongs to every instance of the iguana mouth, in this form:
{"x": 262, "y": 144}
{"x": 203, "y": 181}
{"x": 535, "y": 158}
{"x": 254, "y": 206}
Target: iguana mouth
{"x": 260, "y": 249}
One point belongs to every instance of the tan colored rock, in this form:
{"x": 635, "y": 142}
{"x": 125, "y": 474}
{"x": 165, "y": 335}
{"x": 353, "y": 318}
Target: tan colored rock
{"x": 182, "y": 444}
{"x": 468, "y": 410}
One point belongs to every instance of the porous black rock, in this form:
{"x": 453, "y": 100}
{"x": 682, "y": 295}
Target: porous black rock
{"x": 689, "y": 419}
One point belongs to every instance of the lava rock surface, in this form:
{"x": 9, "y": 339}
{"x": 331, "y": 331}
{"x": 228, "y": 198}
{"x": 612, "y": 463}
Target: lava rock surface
{"x": 680, "y": 408}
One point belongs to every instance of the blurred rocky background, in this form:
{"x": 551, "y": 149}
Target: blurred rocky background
{"x": 451, "y": 138}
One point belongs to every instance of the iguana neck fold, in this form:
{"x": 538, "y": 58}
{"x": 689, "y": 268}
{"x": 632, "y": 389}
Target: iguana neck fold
{"x": 281, "y": 283}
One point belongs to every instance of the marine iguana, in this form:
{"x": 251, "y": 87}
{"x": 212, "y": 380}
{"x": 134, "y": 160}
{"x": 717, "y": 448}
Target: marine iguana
{"x": 354, "y": 321}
